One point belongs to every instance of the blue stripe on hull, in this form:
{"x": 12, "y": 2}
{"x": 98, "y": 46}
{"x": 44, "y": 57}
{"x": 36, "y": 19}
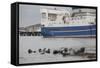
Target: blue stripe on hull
{"x": 69, "y": 31}
{"x": 70, "y": 28}
{"x": 73, "y": 36}
{"x": 51, "y": 33}
{"x": 92, "y": 32}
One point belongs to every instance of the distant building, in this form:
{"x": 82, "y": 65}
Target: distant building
{"x": 32, "y": 28}
{"x": 22, "y": 29}
{"x": 84, "y": 12}
{"x": 83, "y": 15}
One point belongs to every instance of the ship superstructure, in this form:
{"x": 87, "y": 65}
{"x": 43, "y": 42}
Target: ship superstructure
{"x": 68, "y": 22}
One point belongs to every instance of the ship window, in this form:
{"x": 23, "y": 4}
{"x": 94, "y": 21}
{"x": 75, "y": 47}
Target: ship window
{"x": 43, "y": 15}
{"x": 52, "y": 17}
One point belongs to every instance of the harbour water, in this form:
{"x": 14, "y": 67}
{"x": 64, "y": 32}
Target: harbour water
{"x": 38, "y": 42}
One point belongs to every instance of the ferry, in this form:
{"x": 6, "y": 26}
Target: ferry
{"x": 79, "y": 22}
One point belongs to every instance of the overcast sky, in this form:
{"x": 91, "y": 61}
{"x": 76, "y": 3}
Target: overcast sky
{"x": 29, "y": 15}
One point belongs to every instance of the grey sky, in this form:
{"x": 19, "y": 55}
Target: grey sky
{"x": 29, "y": 15}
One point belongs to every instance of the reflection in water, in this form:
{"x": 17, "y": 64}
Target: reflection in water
{"x": 36, "y": 49}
